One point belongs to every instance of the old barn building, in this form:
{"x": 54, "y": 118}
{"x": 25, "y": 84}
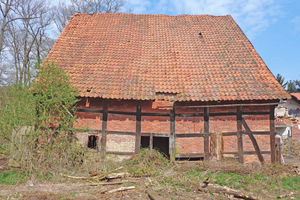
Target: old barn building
{"x": 171, "y": 83}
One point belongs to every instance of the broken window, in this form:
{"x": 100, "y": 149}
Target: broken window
{"x": 93, "y": 142}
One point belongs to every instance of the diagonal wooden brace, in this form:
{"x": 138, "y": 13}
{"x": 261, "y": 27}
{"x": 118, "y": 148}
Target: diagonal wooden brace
{"x": 254, "y": 142}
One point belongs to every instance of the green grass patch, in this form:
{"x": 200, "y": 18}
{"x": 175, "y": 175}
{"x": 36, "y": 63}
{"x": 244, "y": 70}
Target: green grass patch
{"x": 291, "y": 183}
{"x": 12, "y": 177}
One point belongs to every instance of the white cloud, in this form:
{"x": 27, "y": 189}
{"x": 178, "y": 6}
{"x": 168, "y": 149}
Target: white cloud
{"x": 296, "y": 24}
{"x": 253, "y": 16}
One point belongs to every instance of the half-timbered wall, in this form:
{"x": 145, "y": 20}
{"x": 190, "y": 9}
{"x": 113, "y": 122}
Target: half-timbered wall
{"x": 127, "y": 121}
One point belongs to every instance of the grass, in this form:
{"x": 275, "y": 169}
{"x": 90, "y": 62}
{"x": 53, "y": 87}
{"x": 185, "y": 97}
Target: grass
{"x": 169, "y": 178}
{"x": 237, "y": 181}
{"x": 12, "y": 177}
{"x": 291, "y": 183}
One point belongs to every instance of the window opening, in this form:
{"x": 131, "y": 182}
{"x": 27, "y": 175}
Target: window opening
{"x": 93, "y": 142}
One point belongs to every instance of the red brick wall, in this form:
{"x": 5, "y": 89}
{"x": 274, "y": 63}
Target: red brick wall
{"x": 154, "y": 124}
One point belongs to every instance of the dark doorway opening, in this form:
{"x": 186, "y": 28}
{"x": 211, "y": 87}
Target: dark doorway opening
{"x": 160, "y": 144}
{"x": 93, "y": 142}
{"x": 145, "y": 142}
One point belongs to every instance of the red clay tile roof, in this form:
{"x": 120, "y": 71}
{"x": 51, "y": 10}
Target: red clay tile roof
{"x": 147, "y": 57}
{"x": 296, "y": 95}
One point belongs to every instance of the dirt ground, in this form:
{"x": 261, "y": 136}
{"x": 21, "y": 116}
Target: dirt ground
{"x": 82, "y": 189}
{"x": 90, "y": 190}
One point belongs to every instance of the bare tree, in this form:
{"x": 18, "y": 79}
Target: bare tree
{"x": 25, "y": 38}
{"x": 64, "y": 12}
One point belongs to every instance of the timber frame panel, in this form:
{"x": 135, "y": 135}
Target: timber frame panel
{"x": 206, "y": 135}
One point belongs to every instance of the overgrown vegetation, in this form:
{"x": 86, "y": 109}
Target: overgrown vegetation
{"x": 37, "y": 122}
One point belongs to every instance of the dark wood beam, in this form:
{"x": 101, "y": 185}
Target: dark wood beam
{"x": 272, "y": 133}
{"x": 138, "y": 127}
{"x": 187, "y": 135}
{"x": 156, "y": 114}
{"x": 190, "y": 155}
{"x": 120, "y": 133}
{"x": 104, "y": 127}
{"x": 254, "y": 142}
{"x": 247, "y": 152}
{"x": 88, "y": 110}
{"x": 151, "y": 142}
{"x": 222, "y": 114}
{"x": 206, "y": 133}
{"x": 121, "y": 112}
{"x": 253, "y": 132}
{"x": 256, "y": 113}
{"x": 120, "y": 153}
{"x": 156, "y": 134}
{"x": 240, "y": 133}
{"x": 172, "y": 135}
{"x": 189, "y": 114}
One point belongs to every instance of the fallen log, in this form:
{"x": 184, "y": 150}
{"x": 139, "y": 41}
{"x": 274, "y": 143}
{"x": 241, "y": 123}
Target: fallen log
{"x": 121, "y": 189}
{"x": 208, "y": 188}
{"x": 117, "y": 175}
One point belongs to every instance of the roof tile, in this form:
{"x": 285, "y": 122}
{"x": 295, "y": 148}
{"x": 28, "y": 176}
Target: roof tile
{"x": 128, "y": 56}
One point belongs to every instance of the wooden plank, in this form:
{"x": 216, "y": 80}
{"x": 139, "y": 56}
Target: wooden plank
{"x": 230, "y": 105}
{"x": 189, "y": 114}
{"x": 277, "y": 151}
{"x": 190, "y": 155}
{"x": 120, "y": 153}
{"x": 254, "y": 142}
{"x": 248, "y": 152}
{"x": 188, "y": 135}
{"x": 222, "y": 114}
{"x": 156, "y": 114}
{"x": 90, "y": 131}
{"x": 240, "y": 134}
{"x": 272, "y": 133}
{"x": 138, "y": 127}
{"x": 235, "y": 133}
{"x": 104, "y": 127}
{"x": 206, "y": 133}
{"x": 120, "y": 133}
{"x": 156, "y": 134}
{"x": 261, "y": 132}
{"x": 151, "y": 142}
{"x": 172, "y": 135}
{"x": 256, "y": 113}
{"x": 121, "y": 112}
{"x": 88, "y": 110}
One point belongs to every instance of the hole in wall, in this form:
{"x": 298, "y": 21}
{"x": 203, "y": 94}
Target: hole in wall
{"x": 93, "y": 142}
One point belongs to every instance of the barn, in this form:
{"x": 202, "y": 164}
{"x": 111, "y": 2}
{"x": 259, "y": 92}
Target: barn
{"x": 171, "y": 83}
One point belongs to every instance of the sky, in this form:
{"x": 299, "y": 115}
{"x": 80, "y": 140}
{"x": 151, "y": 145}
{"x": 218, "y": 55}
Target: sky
{"x": 272, "y": 26}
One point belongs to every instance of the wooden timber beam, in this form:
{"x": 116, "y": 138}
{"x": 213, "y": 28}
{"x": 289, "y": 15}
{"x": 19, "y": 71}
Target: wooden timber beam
{"x": 253, "y": 132}
{"x": 272, "y": 133}
{"x": 172, "y": 135}
{"x": 206, "y": 133}
{"x": 240, "y": 134}
{"x": 247, "y": 152}
{"x": 254, "y": 142}
{"x": 120, "y": 152}
{"x": 89, "y": 110}
{"x": 104, "y": 127}
{"x": 190, "y": 155}
{"x": 138, "y": 127}
{"x": 156, "y": 134}
{"x": 188, "y": 135}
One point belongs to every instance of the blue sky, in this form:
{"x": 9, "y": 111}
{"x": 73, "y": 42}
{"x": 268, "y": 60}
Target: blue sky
{"x": 273, "y": 26}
